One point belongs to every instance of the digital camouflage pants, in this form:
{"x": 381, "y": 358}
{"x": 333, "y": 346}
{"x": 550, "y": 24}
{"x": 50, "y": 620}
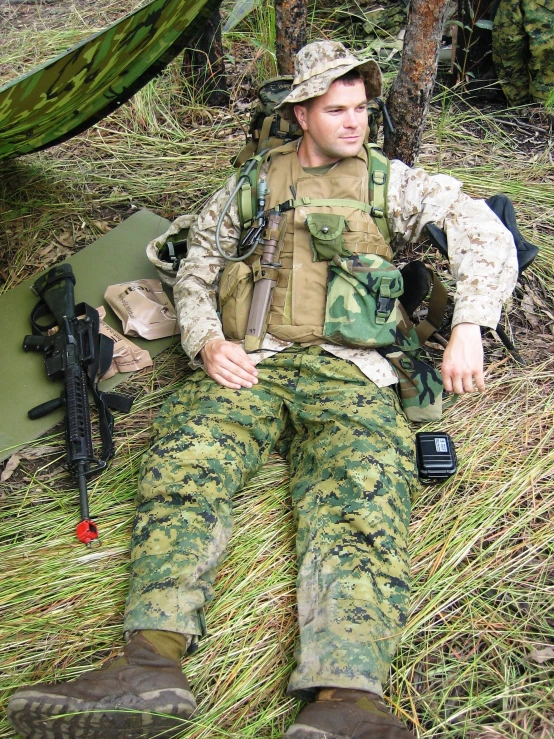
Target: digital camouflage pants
{"x": 523, "y": 49}
{"x": 352, "y": 471}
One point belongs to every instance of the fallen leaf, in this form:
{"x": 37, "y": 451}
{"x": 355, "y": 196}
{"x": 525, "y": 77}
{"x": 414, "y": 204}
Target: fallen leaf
{"x": 542, "y": 655}
{"x": 102, "y": 226}
{"x": 45, "y": 250}
{"x": 66, "y": 238}
{"x": 11, "y": 465}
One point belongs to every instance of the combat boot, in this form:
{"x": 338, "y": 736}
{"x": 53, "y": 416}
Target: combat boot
{"x": 338, "y": 713}
{"x": 141, "y": 693}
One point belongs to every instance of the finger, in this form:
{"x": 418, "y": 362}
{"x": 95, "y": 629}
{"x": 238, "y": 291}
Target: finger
{"x": 225, "y": 382}
{"x": 467, "y": 382}
{"x": 241, "y": 358}
{"x": 480, "y": 381}
{"x": 235, "y": 375}
{"x": 229, "y": 366}
{"x": 447, "y": 381}
{"x": 458, "y": 385}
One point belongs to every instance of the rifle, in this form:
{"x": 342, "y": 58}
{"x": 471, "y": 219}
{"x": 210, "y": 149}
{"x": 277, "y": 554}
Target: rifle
{"x": 75, "y": 351}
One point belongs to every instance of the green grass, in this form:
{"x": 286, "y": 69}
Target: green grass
{"x": 481, "y": 543}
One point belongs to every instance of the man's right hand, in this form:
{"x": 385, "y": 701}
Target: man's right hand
{"x": 228, "y": 364}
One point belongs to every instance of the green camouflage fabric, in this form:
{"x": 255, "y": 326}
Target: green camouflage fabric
{"x": 361, "y": 307}
{"x": 357, "y": 286}
{"x": 70, "y": 93}
{"x": 351, "y": 453}
{"x": 523, "y": 49}
{"x": 419, "y": 383}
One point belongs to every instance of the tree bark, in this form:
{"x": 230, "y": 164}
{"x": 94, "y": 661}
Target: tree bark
{"x": 203, "y": 64}
{"x": 408, "y": 100}
{"x": 290, "y": 32}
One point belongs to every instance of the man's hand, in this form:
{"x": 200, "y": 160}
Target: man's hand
{"x": 228, "y": 364}
{"x": 462, "y": 363}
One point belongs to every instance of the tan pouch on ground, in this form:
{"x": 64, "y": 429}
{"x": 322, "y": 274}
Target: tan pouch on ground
{"x": 127, "y": 357}
{"x": 143, "y": 307}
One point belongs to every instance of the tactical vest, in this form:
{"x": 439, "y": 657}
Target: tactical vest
{"x": 298, "y": 303}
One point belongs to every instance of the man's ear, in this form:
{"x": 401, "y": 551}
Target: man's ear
{"x": 300, "y": 113}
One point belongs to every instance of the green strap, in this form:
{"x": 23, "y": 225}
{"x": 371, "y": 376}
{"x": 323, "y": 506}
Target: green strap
{"x": 379, "y": 171}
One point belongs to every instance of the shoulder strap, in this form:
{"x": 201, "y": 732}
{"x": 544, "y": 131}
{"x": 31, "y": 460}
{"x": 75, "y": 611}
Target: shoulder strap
{"x": 378, "y": 170}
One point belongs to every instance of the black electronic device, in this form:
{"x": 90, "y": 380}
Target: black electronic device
{"x": 435, "y": 456}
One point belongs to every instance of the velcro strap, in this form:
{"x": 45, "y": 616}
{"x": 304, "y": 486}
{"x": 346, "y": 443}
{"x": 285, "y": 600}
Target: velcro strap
{"x": 264, "y": 272}
{"x": 272, "y": 234}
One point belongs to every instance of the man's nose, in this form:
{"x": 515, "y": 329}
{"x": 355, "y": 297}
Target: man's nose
{"x": 351, "y": 120}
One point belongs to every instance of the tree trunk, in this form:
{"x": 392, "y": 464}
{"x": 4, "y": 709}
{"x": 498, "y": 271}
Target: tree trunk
{"x": 408, "y": 100}
{"x": 290, "y": 32}
{"x": 203, "y": 64}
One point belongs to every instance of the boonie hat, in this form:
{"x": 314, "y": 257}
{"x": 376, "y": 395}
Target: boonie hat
{"x": 319, "y": 64}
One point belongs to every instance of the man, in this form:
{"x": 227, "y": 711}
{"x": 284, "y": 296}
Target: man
{"x": 333, "y": 410}
{"x": 523, "y": 50}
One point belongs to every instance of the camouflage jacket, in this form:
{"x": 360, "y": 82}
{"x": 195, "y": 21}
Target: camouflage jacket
{"x": 482, "y": 255}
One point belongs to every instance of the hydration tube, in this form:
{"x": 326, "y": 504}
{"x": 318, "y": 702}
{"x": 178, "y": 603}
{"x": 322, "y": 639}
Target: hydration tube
{"x": 250, "y": 166}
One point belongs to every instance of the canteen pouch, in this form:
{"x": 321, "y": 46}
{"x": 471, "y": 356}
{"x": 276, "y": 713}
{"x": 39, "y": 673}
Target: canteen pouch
{"x": 235, "y": 295}
{"x": 362, "y": 307}
{"x": 327, "y": 239}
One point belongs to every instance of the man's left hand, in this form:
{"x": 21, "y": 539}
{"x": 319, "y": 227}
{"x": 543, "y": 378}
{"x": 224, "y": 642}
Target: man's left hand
{"x": 462, "y": 364}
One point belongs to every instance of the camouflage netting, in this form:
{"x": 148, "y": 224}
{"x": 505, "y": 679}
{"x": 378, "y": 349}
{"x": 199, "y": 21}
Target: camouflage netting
{"x": 70, "y": 93}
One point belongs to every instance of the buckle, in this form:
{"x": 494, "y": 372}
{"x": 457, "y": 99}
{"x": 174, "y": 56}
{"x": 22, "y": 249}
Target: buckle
{"x": 384, "y": 308}
{"x": 379, "y": 177}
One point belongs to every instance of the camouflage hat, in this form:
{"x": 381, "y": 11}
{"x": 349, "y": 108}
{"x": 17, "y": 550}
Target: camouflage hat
{"x": 319, "y": 64}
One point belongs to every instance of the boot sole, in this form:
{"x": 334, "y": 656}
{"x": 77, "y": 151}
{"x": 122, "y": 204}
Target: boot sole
{"x": 157, "y": 713}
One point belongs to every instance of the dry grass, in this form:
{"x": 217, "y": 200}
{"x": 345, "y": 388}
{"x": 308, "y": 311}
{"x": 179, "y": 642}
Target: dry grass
{"x": 481, "y": 543}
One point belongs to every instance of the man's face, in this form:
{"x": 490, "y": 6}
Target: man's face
{"x": 335, "y": 124}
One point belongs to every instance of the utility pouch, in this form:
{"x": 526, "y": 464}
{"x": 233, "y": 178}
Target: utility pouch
{"x": 362, "y": 307}
{"x": 419, "y": 384}
{"x": 235, "y": 295}
{"x": 327, "y": 238}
